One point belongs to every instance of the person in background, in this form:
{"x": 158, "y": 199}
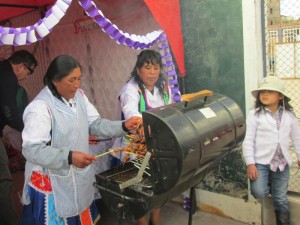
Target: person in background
{"x": 146, "y": 89}
{"x": 22, "y": 99}
{"x": 58, "y": 187}
{"x": 266, "y": 145}
{"x": 12, "y": 138}
{"x": 16, "y": 68}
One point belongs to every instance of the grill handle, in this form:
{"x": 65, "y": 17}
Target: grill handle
{"x": 193, "y": 96}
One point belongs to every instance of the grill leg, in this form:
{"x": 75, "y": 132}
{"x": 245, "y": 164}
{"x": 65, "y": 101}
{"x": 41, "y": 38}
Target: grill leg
{"x": 193, "y": 206}
{"x": 120, "y": 221}
{"x": 120, "y": 213}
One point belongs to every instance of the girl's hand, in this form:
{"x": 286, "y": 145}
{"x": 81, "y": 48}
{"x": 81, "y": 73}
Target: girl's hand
{"x": 252, "y": 172}
{"x": 299, "y": 163}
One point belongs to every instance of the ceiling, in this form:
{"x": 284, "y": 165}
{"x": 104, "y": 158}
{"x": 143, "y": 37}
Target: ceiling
{"x": 13, "y": 8}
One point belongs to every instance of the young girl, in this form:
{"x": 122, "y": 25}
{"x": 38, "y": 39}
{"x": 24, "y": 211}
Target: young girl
{"x": 266, "y": 145}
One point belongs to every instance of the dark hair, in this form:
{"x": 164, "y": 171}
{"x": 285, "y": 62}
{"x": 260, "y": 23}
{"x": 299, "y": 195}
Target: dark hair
{"x": 261, "y": 106}
{"x": 23, "y": 56}
{"x": 149, "y": 57}
{"x": 60, "y": 67}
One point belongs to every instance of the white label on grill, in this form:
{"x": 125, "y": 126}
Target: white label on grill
{"x": 207, "y": 112}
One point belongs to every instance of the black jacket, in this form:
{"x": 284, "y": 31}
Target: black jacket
{"x": 9, "y": 112}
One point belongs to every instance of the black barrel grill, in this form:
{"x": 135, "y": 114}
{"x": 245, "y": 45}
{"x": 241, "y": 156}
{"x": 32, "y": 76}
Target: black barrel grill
{"x": 185, "y": 141}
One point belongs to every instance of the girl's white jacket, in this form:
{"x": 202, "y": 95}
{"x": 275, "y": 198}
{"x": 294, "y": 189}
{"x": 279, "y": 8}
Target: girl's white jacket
{"x": 262, "y": 137}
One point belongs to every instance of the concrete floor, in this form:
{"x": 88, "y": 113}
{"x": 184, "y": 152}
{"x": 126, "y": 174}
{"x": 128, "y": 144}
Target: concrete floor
{"x": 171, "y": 214}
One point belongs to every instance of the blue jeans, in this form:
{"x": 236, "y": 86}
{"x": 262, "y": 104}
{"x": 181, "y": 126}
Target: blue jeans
{"x": 277, "y": 181}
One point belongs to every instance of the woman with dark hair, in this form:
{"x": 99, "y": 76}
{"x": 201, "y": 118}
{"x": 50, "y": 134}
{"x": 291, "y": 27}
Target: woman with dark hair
{"x": 145, "y": 59}
{"x": 146, "y": 89}
{"x": 59, "y": 176}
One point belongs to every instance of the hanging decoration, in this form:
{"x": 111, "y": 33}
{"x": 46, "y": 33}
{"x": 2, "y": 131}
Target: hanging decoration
{"x": 137, "y": 42}
{"x": 133, "y": 40}
{"x": 27, "y": 35}
{"x": 169, "y": 66}
{"x": 31, "y": 34}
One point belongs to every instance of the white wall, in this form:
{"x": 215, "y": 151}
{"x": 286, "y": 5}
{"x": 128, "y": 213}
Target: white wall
{"x": 253, "y": 57}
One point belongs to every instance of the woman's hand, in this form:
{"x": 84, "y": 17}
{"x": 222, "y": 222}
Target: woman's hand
{"x": 133, "y": 122}
{"x": 252, "y": 172}
{"x": 81, "y": 160}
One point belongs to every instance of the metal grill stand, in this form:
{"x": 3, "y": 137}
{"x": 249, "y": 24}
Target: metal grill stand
{"x": 186, "y": 142}
{"x": 193, "y": 206}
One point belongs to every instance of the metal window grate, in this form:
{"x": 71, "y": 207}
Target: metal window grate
{"x": 282, "y": 47}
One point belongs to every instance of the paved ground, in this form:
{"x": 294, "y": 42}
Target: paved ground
{"x": 173, "y": 214}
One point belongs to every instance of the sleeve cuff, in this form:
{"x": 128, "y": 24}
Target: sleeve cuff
{"x": 70, "y": 157}
{"x": 124, "y": 127}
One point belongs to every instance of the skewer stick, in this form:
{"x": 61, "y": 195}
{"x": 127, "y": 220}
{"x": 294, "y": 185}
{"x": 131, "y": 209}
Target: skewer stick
{"x": 110, "y": 151}
{"x": 103, "y": 154}
{"x": 116, "y": 150}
